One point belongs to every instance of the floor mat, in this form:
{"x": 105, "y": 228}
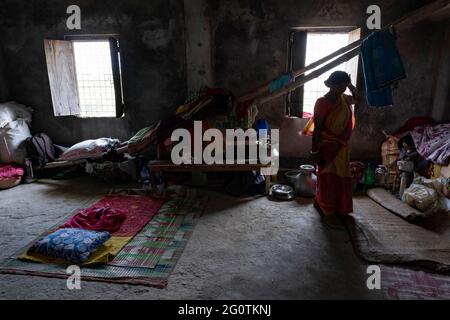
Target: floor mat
{"x": 149, "y": 246}
{"x": 404, "y": 284}
{"x": 396, "y": 206}
{"x": 187, "y": 203}
{"x": 382, "y": 237}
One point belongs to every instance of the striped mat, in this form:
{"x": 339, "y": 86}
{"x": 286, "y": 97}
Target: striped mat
{"x": 149, "y": 258}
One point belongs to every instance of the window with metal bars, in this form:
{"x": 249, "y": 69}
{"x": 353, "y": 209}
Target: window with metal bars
{"x": 308, "y": 45}
{"x": 85, "y": 76}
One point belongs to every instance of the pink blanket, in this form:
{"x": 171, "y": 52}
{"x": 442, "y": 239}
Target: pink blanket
{"x": 98, "y": 219}
{"x": 8, "y": 171}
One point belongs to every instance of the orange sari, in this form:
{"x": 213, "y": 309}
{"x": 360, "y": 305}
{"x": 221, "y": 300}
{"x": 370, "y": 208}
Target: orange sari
{"x": 334, "y": 185}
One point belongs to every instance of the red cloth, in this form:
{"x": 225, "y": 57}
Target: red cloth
{"x": 139, "y": 210}
{"x": 98, "y": 219}
{"x": 8, "y": 171}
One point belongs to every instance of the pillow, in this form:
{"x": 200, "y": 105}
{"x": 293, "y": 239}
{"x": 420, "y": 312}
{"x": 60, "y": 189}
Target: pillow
{"x": 89, "y": 149}
{"x": 71, "y": 244}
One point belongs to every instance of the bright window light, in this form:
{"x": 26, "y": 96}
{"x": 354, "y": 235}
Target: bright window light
{"x": 95, "y": 78}
{"x": 319, "y": 45}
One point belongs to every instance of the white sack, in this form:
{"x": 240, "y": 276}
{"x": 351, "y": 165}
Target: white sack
{"x": 420, "y": 197}
{"x": 12, "y": 141}
{"x": 12, "y": 111}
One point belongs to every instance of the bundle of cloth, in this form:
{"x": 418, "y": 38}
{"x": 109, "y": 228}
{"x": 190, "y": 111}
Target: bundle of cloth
{"x": 212, "y": 106}
{"x": 433, "y": 142}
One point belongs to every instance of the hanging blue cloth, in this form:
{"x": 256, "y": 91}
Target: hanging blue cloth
{"x": 382, "y": 66}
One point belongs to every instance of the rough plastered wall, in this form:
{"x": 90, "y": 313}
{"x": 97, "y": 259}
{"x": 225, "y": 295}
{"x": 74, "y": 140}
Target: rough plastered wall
{"x": 251, "y": 49}
{"x": 4, "y": 90}
{"x": 153, "y": 60}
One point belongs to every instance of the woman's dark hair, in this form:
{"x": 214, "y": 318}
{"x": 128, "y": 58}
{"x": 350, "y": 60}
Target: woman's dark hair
{"x": 338, "y": 77}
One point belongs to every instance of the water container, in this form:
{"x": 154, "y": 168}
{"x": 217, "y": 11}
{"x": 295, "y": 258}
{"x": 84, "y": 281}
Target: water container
{"x": 306, "y": 183}
{"x": 159, "y": 183}
{"x": 262, "y": 128}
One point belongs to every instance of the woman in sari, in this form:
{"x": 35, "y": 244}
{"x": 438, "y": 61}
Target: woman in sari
{"x": 331, "y": 128}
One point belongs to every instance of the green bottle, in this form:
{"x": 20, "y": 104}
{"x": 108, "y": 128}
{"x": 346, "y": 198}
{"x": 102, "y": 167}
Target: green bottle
{"x": 369, "y": 177}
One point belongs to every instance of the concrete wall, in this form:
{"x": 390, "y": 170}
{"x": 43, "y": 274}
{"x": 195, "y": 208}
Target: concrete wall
{"x": 199, "y": 51}
{"x": 153, "y": 60}
{"x": 4, "y": 88}
{"x": 251, "y": 49}
{"x": 441, "y": 83}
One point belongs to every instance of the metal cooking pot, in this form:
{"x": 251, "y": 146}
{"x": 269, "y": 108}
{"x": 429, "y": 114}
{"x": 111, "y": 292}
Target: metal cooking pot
{"x": 282, "y": 192}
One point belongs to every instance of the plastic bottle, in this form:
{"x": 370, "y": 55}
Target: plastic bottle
{"x": 145, "y": 178}
{"x": 369, "y": 177}
{"x": 159, "y": 183}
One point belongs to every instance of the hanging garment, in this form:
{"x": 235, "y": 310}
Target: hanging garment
{"x": 382, "y": 66}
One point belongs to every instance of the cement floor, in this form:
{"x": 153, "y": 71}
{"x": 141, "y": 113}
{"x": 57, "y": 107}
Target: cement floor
{"x": 241, "y": 249}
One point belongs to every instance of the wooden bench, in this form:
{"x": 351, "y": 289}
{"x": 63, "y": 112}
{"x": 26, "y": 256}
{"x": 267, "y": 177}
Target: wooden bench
{"x": 165, "y": 166}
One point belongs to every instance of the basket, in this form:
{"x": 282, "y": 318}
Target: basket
{"x": 9, "y": 183}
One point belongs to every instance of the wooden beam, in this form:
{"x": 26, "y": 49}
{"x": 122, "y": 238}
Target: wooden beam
{"x": 165, "y": 166}
{"x": 422, "y": 13}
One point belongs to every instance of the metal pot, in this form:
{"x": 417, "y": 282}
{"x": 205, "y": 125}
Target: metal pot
{"x": 306, "y": 181}
{"x": 282, "y": 192}
{"x": 292, "y": 177}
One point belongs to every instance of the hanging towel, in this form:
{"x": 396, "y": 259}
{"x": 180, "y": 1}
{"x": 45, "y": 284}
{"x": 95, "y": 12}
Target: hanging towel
{"x": 382, "y": 66}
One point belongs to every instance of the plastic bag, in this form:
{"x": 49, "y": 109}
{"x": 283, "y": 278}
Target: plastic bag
{"x": 420, "y": 197}
{"x": 12, "y": 141}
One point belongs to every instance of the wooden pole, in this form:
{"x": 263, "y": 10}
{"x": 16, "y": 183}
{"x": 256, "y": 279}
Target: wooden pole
{"x": 303, "y": 70}
{"x": 301, "y": 81}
